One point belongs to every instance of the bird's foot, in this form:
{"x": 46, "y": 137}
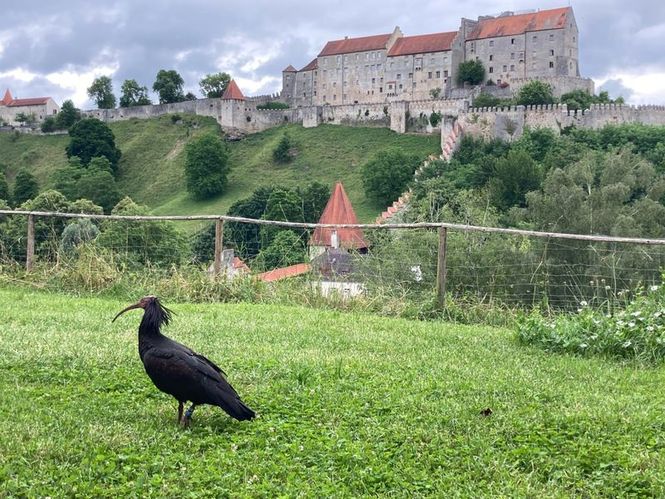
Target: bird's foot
{"x": 187, "y": 418}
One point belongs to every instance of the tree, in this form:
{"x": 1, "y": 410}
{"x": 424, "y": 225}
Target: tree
{"x": 28, "y": 119}
{"x": 25, "y": 187}
{"x": 314, "y": 199}
{"x": 386, "y": 176}
{"x": 286, "y": 249}
{"x": 514, "y": 176}
{"x": 49, "y": 124}
{"x": 133, "y": 94}
{"x": 535, "y": 93}
{"x": 472, "y": 72}
{"x": 168, "y": 85}
{"x": 283, "y": 204}
{"x": 77, "y": 233}
{"x": 282, "y": 153}
{"x": 91, "y": 138}
{"x": 246, "y": 237}
{"x": 214, "y": 85}
{"x": 206, "y": 166}
{"x": 190, "y": 96}
{"x": 97, "y": 184}
{"x": 65, "y": 179}
{"x": 67, "y": 116}
{"x": 4, "y": 186}
{"x": 101, "y": 91}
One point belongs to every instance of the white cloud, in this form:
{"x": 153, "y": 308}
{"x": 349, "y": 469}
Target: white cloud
{"x": 77, "y": 82}
{"x": 264, "y": 85}
{"x": 19, "y": 74}
{"x": 647, "y": 86}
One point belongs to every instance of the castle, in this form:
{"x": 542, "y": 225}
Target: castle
{"x": 513, "y": 48}
{"x": 37, "y": 108}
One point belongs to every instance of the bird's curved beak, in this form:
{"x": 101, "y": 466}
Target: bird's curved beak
{"x": 131, "y": 307}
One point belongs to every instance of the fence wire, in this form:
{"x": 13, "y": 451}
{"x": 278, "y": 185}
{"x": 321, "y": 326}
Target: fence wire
{"x": 515, "y": 268}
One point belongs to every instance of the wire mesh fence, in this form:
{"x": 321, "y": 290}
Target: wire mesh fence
{"x": 410, "y": 262}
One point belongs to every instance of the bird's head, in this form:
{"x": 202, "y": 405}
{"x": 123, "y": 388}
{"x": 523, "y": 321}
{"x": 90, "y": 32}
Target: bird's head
{"x": 154, "y": 312}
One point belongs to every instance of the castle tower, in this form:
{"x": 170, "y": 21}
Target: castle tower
{"x": 233, "y": 106}
{"x": 289, "y": 84}
{"x": 7, "y": 99}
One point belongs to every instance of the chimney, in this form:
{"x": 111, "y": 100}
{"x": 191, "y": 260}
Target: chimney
{"x": 334, "y": 240}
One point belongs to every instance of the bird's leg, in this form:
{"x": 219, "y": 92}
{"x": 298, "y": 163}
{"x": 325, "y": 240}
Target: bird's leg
{"x": 180, "y": 407}
{"x": 187, "y": 419}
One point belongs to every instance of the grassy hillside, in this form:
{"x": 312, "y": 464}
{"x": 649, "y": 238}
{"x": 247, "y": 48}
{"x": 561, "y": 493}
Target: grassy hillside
{"x": 349, "y": 405}
{"x": 151, "y": 168}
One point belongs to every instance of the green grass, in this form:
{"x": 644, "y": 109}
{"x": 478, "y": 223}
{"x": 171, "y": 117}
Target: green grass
{"x": 349, "y": 405}
{"x": 151, "y": 170}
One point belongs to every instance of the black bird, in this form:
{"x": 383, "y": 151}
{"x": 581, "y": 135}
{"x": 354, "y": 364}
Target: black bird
{"x": 180, "y": 372}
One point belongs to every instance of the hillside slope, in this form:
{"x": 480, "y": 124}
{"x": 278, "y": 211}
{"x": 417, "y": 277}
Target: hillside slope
{"x": 151, "y": 168}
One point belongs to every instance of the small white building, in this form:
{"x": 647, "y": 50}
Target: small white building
{"x": 37, "y": 107}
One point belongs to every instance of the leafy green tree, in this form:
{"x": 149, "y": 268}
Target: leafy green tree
{"x": 472, "y": 72}
{"x": 4, "y": 187}
{"x": 133, "y": 94}
{"x": 101, "y": 91}
{"x": 28, "y": 119}
{"x": 535, "y": 93}
{"x": 214, "y": 85}
{"x": 387, "y": 175}
{"x": 314, "y": 199}
{"x": 206, "y": 166}
{"x": 140, "y": 243}
{"x": 49, "y": 124}
{"x": 514, "y": 176}
{"x": 65, "y": 179}
{"x": 283, "y": 204}
{"x": 190, "y": 96}
{"x": 97, "y": 184}
{"x": 67, "y": 116}
{"x": 488, "y": 100}
{"x": 285, "y": 249}
{"x": 25, "y": 187}
{"x": 76, "y": 233}
{"x": 91, "y": 138}
{"x": 282, "y": 153}
{"x": 168, "y": 86}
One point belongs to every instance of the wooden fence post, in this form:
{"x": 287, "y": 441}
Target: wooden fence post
{"x": 30, "y": 250}
{"x": 441, "y": 268}
{"x": 219, "y": 242}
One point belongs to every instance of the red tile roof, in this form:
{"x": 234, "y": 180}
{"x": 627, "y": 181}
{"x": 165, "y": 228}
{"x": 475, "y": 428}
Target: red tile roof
{"x": 238, "y": 264}
{"x": 422, "y": 44}
{"x": 289, "y": 69}
{"x": 350, "y": 45}
{"x": 521, "y": 23}
{"x": 339, "y": 211}
{"x": 232, "y": 92}
{"x": 7, "y": 99}
{"x": 285, "y": 272}
{"x": 35, "y": 101}
{"x": 314, "y": 64}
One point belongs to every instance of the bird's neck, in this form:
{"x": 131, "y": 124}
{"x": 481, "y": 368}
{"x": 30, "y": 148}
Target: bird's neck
{"x": 147, "y": 329}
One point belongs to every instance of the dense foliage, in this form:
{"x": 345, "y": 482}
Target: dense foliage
{"x": 90, "y": 138}
{"x": 283, "y": 152}
{"x": 133, "y": 94}
{"x": 25, "y": 187}
{"x": 472, "y": 72}
{"x": 535, "y": 93}
{"x": 168, "y": 85}
{"x": 386, "y": 176}
{"x": 206, "y": 166}
{"x": 214, "y": 85}
{"x": 101, "y": 91}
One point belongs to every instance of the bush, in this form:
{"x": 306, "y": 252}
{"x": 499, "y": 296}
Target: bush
{"x": 90, "y": 138}
{"x": 206, "y": 166}
{"x": 638, "y": 332}
{"x": 435, "y": 119}
{"x": 535, "y": 93}
{"x": 49, "y": 125}
{"x": 273, "y": 105}
{"x": 25, "y": 187}
{"x": 77, "y": 233}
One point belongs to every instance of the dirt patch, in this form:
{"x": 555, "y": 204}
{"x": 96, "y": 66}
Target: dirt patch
{"x": 177, "y": 148}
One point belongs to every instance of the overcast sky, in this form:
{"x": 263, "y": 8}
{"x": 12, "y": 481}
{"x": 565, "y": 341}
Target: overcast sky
{"x": 57, "y": 47}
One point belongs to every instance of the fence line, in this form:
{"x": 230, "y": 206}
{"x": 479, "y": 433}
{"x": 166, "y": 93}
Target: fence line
{"x": 303, "y": 225}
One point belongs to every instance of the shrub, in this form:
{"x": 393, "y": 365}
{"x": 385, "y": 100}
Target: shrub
{"x": 535, "y": 93}
{"x": 638, "y": 332}
{"x": 77, "y": 233}
{"x": 387, "y": 175}
{"x": 435, "y": 119}
{"x": 282, "y": 153}
{"x": 273, "y": 105}
{"x": 49, "y": 124}
{"x": 472, "y": 72}
{"x": 90, "y": 138}
{"x": 25, "y": 187}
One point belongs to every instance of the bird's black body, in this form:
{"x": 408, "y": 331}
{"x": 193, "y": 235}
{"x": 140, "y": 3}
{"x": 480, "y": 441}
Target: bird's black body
{"x": 181, "y": 372}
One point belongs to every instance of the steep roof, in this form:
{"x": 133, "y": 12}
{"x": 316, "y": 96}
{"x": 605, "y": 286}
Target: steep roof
{"x": 350, "y": 45}
{"x": 339, "y": 211}
{"x": 232, "y": 92}
{"x": 289, "y": 69}
{"x": 521, "y": 23}
{"x": 7, "y": 99}
{"x": 422, "y": 44}
{"x": 314, "y": 64}
{"x": 35, "y": 101}
{"x": 284, "y": 272}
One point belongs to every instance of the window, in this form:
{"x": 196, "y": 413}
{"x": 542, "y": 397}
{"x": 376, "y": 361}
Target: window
{"x": 445, "y": 73}
{"x": 491, "y": 43}
{"x": 438, "y": 74}
{"x": 390, "y": 86}
{"x": 335, "y": 97}
{"x": 505, "y": 68}
{"x": 535, "y": 38}
{"x": 551, "y": 64}
{"x": 491, "y": 57}
{"x": 373, "y": 81}
{"x": 410, "y": 75}
{"x": 399, "y": 76}
{"x": 400, "y": 86}
{"x": 414, "y": 84}
{"x": 551, "y": 37}
{"x": 429, "y": 75}
{"x": 380, "y": 90}
{"x": 491, "y": 69}
{"x": 512, "y": 41}
{"x": 574, "y": 39}
{"x": 552, "y": 52}
{"x": 512, "y": 67}
{"x": 512, "y": 55}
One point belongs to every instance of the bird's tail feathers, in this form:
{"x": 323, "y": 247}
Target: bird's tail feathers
{"x": 236, "y": 408}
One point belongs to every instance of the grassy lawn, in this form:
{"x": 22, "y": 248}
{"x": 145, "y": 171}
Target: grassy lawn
{"x": 151, "y": 170}
{"x": 349, "y": 405}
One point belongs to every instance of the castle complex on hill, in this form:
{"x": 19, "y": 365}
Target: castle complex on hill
{"x": 513, "y": 48}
